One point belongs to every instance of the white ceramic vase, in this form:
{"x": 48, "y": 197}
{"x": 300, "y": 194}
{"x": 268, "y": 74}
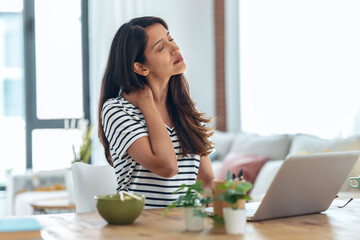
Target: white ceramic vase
{"x": 235, "y": 220}
{"x": 69, "y": 185}
{"x": 193, "y": 223}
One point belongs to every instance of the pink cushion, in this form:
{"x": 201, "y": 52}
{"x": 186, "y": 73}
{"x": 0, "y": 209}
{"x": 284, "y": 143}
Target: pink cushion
{"x": 250, "y": 163}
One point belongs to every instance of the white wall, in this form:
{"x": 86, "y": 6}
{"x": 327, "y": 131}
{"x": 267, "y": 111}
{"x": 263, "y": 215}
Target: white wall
{"x": 300, "y": 67}
{"x": 191, "y": 25}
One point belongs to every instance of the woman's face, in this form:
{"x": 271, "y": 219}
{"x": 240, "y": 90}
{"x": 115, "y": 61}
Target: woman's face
{"x": 163, "y": 58}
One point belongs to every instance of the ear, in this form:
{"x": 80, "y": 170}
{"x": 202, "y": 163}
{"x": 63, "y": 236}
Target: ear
{"x": 141, "y": 69}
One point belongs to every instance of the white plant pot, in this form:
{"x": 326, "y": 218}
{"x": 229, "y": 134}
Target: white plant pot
{"x": 235, "y": 220}
{"x": 69, "y": 185}
{"x": 193, "y": 223}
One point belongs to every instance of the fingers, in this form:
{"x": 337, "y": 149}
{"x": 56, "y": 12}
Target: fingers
{"x": 139, "y": 95}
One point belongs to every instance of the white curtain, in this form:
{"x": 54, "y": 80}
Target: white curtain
{"x": 105, "y": 17}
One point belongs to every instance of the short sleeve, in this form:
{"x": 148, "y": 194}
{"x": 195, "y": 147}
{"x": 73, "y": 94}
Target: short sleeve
{"x": 121, "y": 128}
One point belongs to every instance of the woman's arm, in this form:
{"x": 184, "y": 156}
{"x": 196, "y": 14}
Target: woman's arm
{"x": 156, "y": 152}
{"x": 205, "y": 173}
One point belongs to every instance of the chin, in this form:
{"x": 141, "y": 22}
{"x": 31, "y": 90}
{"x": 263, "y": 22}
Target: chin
{"x": 181, "y": 69}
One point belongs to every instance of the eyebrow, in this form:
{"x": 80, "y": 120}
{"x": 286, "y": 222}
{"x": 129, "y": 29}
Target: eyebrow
{"x": 159, "y": 40}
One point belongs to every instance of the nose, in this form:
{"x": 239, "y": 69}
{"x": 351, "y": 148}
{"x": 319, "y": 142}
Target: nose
{"x": 174, "y": 48}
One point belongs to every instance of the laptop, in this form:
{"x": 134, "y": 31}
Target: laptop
{"x": 305, "y": 184}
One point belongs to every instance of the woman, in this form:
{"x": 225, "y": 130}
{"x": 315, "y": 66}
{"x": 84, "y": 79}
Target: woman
{"x": 152, "y": 133}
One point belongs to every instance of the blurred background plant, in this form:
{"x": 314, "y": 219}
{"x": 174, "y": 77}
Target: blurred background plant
{"x": 8, "y": 171}
{"x": 85, "y": 149}
{"x": 81, "y": 149}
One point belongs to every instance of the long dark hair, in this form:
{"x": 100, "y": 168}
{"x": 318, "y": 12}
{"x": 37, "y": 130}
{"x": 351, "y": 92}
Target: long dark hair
{"x": 128, "y": 47}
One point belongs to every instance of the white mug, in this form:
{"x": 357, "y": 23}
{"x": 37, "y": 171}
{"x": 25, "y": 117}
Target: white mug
{"x": 357, "y": 180}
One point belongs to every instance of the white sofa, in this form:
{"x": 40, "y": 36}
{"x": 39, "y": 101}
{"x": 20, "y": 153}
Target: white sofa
{"x": 20, "y": 188}
{"x": 277, "y": 148}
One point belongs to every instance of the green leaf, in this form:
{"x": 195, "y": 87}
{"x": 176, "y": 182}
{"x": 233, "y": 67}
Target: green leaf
{"x": 199, "y": 213}
{"x": 182, "y": 187}
{"x": 231, "y": 196}
{"x": 218, "y": 219}
{"x": 247, "y": 197}
{"x": 206, "y": 200}
{"x": 244, "y": 186}
{"x": 85, "y": 148}
{"x": 191, "y": 197}
{"x": 166, "y": 210}
{"x": 228, "y": 177}
{"x": 226, "y": 185}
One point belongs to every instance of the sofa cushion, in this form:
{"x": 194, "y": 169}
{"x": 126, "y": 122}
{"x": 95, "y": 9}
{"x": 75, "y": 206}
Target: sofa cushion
{"x": 250, "y": 163}
{"x": 312, "y": 144}
{"x": 216, "y": 166}
{"x": 274, "y": 146}
{"x": 265, "y": 178}
{"x": 222, "y": 142}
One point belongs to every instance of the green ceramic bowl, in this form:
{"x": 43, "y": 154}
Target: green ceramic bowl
{"x": 115, "y": 211}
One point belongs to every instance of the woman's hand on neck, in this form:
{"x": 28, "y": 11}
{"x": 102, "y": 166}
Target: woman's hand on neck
{"x": 139, "y": 97}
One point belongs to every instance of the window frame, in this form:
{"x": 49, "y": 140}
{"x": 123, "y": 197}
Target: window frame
{"x": 32, "y": 122}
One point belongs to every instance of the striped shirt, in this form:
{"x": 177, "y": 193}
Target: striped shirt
{"x": 123, "y": 124}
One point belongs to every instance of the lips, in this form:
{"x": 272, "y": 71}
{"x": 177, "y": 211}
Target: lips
{"x": 179, "y": 59}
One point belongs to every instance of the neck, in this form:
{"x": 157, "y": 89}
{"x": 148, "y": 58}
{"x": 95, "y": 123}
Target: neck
{"x": 159, "y": 90}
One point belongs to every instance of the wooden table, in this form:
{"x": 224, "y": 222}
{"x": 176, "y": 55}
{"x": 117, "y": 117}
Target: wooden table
{"x": 61, "y": 204}
{"x": 335, "y": 223}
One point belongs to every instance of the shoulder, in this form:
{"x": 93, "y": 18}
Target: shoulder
{"x": 119, "y": 104}
{"x": 113, "y": 103}
{"x": 120, "y": 111}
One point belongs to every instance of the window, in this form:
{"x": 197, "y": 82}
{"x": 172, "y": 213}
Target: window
{"x": 58, "y": 59}
{"x": 299, "y": 64}
{"x": 12, "y": 115}
{"x": 57, "y": 84}
{"x": 43, "y": 82}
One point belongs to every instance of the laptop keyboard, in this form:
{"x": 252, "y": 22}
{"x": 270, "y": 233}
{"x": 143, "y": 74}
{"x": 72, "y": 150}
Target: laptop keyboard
{"x": 251, "y": 208}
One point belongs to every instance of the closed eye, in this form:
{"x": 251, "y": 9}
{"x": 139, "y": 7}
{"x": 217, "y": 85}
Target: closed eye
{"x": 162, "y": 47}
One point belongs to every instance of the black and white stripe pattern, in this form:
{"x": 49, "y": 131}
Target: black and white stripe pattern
{"x": 123, "y": 123}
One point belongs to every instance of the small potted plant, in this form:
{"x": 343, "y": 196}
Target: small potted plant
{"x": 191, "y": 200}
{"x": 235, "y": 216}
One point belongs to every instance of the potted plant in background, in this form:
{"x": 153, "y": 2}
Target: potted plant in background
{"x": 191, "y": 200}
{"x": 235, "y": 216}
{"x": 85, "y": 149}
